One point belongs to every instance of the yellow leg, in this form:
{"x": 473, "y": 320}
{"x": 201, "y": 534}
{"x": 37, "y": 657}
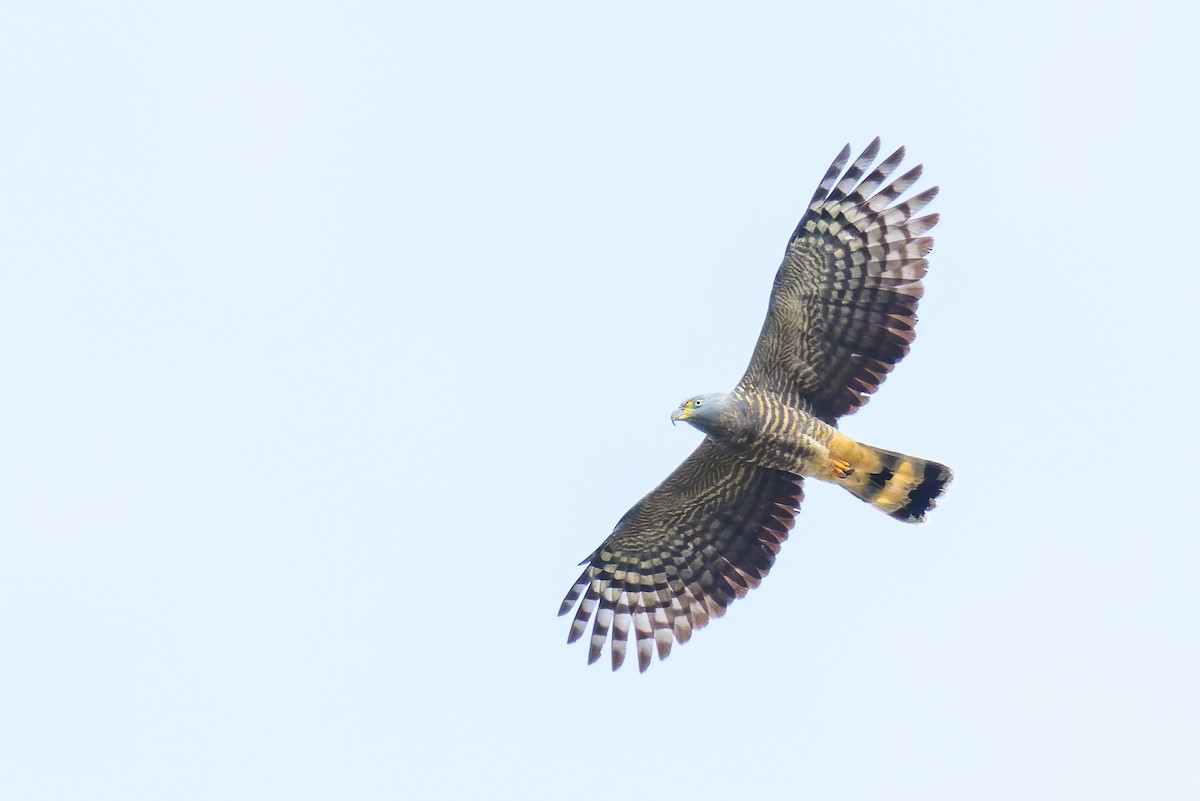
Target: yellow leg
{"x": 841, "y": 468}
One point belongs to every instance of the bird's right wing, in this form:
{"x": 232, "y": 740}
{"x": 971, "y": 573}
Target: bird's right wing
{"x": 701, "y": 539}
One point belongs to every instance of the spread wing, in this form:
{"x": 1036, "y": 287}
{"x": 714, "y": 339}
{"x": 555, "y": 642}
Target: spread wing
{"x": 844, "y": 304}
{"x": 704, "y": 537}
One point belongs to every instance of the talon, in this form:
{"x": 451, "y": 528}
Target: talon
{"x": 842, "y": 469}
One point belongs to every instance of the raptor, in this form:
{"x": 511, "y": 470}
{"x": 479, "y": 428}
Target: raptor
{"x": 842, "y": 313}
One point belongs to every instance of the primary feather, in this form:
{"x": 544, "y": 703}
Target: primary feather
{"x": 842, "y": 313}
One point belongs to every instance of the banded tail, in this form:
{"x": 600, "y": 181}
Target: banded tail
{"x": 902, "y": 486}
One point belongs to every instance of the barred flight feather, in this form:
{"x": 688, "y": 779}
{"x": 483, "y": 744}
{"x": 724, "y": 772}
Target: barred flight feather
{"x": 843, "y": 307}
{"x": 842, "y": 313}
{"x": 673, "y": 563}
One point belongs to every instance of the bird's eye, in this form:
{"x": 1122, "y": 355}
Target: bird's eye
{"x": 697, "y": 401}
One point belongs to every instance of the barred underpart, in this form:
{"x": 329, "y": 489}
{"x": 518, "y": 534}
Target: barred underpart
{"x": 842, "y": 313}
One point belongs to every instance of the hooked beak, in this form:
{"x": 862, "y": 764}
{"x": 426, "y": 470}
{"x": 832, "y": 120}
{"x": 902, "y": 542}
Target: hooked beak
{"x": 680, "y": 414}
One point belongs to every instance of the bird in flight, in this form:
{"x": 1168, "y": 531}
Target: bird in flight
{"x": 842, "y": 314}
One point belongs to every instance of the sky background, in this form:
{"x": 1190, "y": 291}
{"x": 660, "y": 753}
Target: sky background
{"x": 333, "y": 336}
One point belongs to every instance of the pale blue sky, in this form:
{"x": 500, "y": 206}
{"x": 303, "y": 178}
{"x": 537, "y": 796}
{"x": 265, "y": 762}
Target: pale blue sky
{"x": 334, "y": 335}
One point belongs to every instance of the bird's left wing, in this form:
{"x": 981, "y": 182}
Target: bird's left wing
{"x": 844, "y": 305}
{"x": 704, "y": 537}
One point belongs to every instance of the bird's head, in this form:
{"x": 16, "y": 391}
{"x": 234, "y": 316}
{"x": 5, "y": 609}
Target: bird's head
{"x": 702, "y": 411}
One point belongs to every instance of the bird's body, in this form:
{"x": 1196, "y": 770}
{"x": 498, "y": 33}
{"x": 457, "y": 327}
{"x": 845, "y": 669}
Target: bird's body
{"x": 841, "y": 314}
{"x": 761, "y": 428}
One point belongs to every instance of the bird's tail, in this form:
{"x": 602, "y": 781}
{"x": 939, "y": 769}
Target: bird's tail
{"x": 902, "y": 486}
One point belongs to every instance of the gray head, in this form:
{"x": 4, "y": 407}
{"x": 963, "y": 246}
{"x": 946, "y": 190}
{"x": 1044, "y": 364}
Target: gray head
{"x": 702, "y": 411}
